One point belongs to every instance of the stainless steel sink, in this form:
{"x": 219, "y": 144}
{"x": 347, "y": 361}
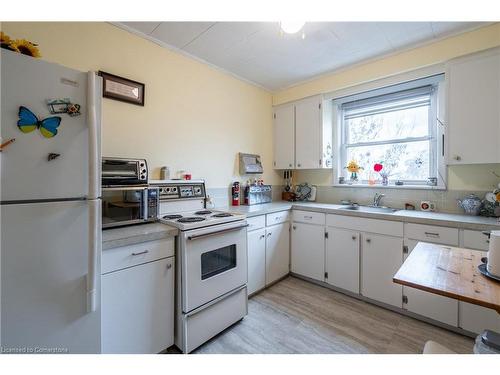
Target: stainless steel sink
{"x": 374, "y": 209}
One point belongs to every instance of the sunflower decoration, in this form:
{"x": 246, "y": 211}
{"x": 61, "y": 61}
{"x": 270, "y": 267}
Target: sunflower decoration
{"x": 4, "y": 40}
{"x": 353, "y": 167}
{"x": 20, "y": 45}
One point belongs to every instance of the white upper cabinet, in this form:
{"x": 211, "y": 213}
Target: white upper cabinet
{"x": 303, "y": 134}
{"x": 307, "y": 133}
{"x": 284, "y": 137}
{"x": 473, "y": 117}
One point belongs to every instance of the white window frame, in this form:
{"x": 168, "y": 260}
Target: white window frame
{"x": 434, "y": 159}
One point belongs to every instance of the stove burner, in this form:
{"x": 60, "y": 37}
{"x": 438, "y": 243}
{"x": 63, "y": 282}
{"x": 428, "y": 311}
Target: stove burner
{"x": 204, "y": 212}
{"x": 171, "y": 217}
{"x": 190, "y": 219}
{"x": 222, "y": 214}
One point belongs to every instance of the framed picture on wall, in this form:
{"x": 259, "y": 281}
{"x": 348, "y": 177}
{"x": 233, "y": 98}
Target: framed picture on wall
{"x": 122, "y": 89}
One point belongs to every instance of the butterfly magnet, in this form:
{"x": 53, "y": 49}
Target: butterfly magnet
{"x": 28, "y": 122}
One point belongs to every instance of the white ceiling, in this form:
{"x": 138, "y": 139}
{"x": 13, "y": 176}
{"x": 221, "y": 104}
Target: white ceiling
{"x": 258, "y": 52}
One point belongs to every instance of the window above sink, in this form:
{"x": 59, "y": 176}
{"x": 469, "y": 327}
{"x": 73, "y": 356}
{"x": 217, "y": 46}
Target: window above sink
{"x": 392, "y": 131}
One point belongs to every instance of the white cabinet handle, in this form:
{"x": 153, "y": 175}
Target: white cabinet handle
{"x": 141, "y": 253}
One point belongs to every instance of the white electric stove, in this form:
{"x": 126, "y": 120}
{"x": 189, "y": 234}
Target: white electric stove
{"x": 199, "y": 218}
{"x": 211, "y": 258}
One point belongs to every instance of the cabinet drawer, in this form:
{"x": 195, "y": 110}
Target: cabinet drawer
{"x": 391, "y": 228}
{"x": 277, "y": 217}
{"x": 128, "y": 256}
{"x": 308, "y": 217}
{"x": 473, "y": 239}
{"x": 431, "y": 233}
{"x": 256, "y": 222}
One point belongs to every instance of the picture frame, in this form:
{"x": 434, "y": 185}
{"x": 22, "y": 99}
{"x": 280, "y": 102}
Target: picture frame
{"x": 122, "y": 89}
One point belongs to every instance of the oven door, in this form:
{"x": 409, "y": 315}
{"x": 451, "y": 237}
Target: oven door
{"x": 214, "y": 262}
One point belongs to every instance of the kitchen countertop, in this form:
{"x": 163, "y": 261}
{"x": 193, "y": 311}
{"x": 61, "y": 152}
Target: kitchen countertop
{"x": 418, "y": 217}
{"x": 116, "y": 237}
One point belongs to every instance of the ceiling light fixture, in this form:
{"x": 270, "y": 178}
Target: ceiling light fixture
{"x": 291, "y": 27}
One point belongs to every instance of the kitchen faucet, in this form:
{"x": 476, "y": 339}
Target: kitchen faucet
{"x": 377, "y": 198}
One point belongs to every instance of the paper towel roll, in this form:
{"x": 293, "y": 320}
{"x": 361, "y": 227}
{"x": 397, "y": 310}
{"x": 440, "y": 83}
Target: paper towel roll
{"x": 493, "y": 265}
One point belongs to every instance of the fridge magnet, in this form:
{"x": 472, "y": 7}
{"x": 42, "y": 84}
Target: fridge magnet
{"x": 28, "y": 122}
{"x": 122, "y": 89}
{"x": 73, "y": 110}
{"x": 6, "y": 144}
{"x": 63, "y": 105}
{"x": 19, "y": 45}
{"x": 52, "y": 156}
{"x": 57, "y": 106}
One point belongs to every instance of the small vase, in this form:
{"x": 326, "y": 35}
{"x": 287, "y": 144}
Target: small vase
{"x": 385, "y": 180}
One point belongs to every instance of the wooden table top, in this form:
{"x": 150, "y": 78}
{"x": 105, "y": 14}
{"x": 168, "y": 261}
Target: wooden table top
{"x": 450, "y": 272}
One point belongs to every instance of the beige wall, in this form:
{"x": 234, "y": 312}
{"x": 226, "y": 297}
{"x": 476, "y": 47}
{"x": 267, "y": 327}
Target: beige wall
{"x": 477, "y": 177}
{"x": 195, "y": 118}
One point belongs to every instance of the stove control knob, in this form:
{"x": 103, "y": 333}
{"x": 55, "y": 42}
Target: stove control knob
{"x": 167, "y": 190}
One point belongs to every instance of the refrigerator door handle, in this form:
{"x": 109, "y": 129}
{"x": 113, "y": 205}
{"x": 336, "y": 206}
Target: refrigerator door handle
{"x": 94, "y": 137}
{"x": 94, "y": 251}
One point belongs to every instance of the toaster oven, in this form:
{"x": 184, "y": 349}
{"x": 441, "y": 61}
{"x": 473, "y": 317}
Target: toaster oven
{"x": 123, "y": 172}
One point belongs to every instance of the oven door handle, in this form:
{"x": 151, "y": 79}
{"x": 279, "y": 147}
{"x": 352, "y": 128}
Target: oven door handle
{"x": 196, "y": 236}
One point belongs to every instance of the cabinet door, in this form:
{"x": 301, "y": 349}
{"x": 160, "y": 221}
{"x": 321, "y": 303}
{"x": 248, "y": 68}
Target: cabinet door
{"x": 256, "y": 260}
{"x": 277, "y": 252}
{"x": 342, "y": 259}
{"x": 471, "y": 317}
{"x": 442, "y": 309}
{"x": 473, "y": 111}
{"x": 381, "y": 257}
{"x": 307, "y": 133}
{"x": 308, "y": 250}
{"x": 138, "y": 308}
{"x": 476, "y": 319}
{"x": 284, "y": 137}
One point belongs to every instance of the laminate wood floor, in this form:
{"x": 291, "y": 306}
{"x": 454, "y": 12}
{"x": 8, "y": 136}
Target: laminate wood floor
{"x": 295, "y": 316}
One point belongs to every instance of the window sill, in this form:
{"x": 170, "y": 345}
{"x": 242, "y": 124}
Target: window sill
{"x": 402, "y": 187}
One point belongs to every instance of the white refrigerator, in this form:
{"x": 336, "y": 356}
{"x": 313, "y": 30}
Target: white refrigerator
{"x": 50, "y": 212}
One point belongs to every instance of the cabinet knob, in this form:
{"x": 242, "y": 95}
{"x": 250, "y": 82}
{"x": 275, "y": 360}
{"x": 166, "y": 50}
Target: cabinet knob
{"x": 269, "y": 234}
{"x": 368, "y": 240}
{"x": 169, "y": 266}
{"x": 290, "y": 165}
{"x": 354, "y": 238}
{"x": 298, "y": 165}
{"x": 294, "y": 227}
{"x": 262, "y": 236}
{"x": 457, "y": 157}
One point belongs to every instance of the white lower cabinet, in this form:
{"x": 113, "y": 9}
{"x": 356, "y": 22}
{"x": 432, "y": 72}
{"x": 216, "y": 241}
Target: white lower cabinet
{"x": 277, "y": 252}
{"x": 476, "y": 319}
{"x": 308, "y": 250}
{"x": 442, "y": 309}
{"x": 138, "y": 303}
{"x": 471, "y": 317}
{"x": 381, "y": 258}
{"x": 342, "y": 259}
{"x": 256, "y": 248}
